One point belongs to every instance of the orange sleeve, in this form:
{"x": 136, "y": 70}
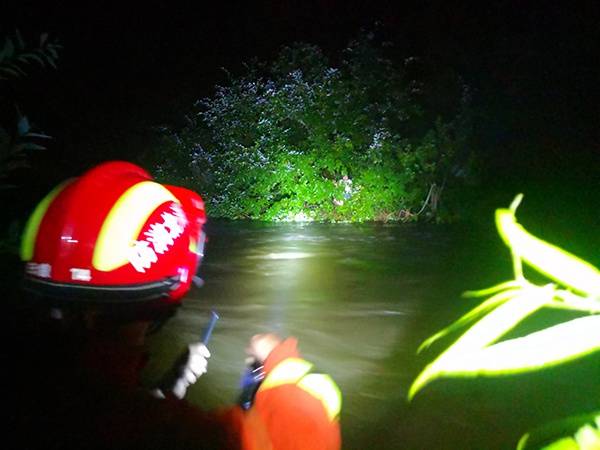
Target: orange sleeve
{"x": 248, "y": 426}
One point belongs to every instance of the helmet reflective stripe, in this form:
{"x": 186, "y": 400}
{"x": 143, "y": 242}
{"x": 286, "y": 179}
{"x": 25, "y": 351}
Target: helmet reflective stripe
{"x": 193, "y": 245}
{"x": 320, "y": 386}
{"x": 33, "y": 223}
{"x": 323, "y": 387}
{"x": 125, "y": 221}
{"x": 289, "y": 371}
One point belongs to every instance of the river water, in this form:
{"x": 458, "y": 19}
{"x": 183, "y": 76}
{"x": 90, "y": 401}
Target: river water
{"x": 360, "y": 299}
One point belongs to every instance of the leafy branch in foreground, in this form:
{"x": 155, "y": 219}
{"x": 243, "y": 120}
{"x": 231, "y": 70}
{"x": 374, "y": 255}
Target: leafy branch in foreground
{"x": 575, "y": 287}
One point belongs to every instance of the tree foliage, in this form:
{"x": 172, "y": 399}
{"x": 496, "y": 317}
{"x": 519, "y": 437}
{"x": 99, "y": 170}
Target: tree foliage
{"x": 17, "y": 136}
{"x": 302, "y": 138}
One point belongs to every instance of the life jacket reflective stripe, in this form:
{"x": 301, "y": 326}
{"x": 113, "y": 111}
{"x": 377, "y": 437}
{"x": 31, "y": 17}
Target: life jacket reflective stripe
{"x": 322, "y": 386}
{"x": 298, "y": 371}
{"x": 288, "y": 371}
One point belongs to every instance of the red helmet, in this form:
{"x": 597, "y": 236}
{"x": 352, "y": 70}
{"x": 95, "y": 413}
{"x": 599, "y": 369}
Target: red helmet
{"x": 114, "y": 236}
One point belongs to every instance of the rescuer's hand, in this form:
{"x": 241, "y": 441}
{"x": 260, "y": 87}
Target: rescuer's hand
{"x": 191, "y": 369}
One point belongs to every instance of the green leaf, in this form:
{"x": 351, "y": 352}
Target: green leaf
{"x": 34, "y": 57}
{"x": 8, "y": 49}
{"x": 53, "y": 52}
{"x": 51, "y": 62}
{"x": 493, "y": 289}
{"x": 588, "y": 438}
{"x": 584, "y": 431}
{"x": 17, "y": 68}
{"x": 544, "y": 348}
{"x": 548, "y": 347}
{"x": 38, "y": 135}
{"x": 554, "y": 262}
{"x": 10, "y": 71}
{"x": 470, "y": 316}
{"x": 32, "y": 146}
{"x": 563, "y": 444}
{"x": 568, "y": 300}
{"x": 487, "y": 330}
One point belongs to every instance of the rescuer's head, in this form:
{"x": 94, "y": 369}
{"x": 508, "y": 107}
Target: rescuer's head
{"x": 114, "y": 240}
{"x": 261, "y": 346}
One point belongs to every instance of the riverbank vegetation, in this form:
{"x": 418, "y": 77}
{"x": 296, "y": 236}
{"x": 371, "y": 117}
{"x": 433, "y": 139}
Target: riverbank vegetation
{"x": 355, "y": 137}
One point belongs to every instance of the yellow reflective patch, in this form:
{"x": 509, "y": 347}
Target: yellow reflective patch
{"x": 125, "y": 221}
{"x": 33, "y": 223}
{"x": 289, "y": 371}
{"x": 323, "y": 387}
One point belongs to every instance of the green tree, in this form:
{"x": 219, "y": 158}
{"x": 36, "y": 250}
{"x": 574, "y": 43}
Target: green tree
{"x": 304, "y": 139}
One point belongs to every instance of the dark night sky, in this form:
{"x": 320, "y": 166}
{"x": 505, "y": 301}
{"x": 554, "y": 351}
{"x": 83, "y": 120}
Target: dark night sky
{"x": 125, "y": 67}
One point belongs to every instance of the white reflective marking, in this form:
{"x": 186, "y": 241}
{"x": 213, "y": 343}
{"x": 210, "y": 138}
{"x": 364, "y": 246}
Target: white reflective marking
{"x": 42, "y": 270}
{"x": 80, "y": 274}
{"x": 161, "y": 235}
{"x": 183, "y": 274}
{"x": 141, "y": 256}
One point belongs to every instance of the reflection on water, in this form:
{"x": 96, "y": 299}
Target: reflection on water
{"x": 360, "y": 298}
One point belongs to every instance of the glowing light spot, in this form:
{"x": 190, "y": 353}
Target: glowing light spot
{"x": 289, "y": 255}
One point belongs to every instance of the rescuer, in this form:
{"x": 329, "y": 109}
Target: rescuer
{"x": 108, "y": 256}
{"x": 291, "y": 405}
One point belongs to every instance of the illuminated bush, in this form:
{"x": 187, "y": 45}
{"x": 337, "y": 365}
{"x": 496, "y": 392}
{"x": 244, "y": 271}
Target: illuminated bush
{"x": 303, "y": 139}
